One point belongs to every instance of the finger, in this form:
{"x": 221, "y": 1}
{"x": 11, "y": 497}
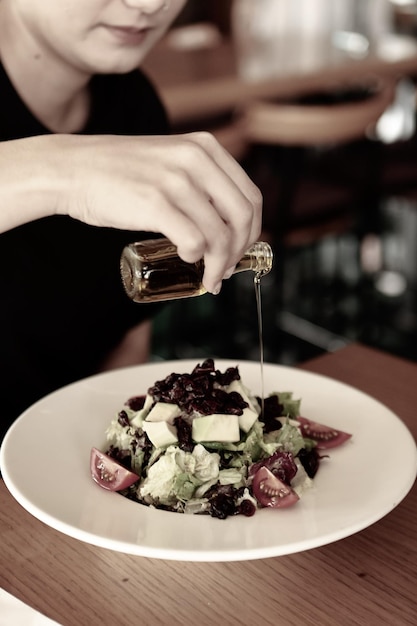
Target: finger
{"x": 188, "y": 190}
{"x": 239, "y": 177}
{"x": 230, "y": 221}
{"x": 189, "y": 237}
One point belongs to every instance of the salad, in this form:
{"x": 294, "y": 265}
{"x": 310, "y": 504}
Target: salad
{"x": 202, "y": 443}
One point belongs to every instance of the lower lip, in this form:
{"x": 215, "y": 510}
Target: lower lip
{"x": 128, "y": 36}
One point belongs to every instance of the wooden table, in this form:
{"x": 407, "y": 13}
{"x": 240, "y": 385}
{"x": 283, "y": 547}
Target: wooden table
{"x": 365, "y": 580}
{"x": 198, "y": 84}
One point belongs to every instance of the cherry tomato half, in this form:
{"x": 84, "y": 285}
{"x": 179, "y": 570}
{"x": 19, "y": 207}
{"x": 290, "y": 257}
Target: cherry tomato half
{"x": 271, "y": 491}
{"x": 108, "y": 473}
{"x": 324, "y": 436}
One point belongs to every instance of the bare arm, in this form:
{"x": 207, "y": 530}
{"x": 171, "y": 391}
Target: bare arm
{"x": 29, "y": 187}
{"x": 186, "y": 187}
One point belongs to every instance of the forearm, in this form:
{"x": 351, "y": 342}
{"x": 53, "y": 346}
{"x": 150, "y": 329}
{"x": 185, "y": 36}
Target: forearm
{"x": 29, "y": 180}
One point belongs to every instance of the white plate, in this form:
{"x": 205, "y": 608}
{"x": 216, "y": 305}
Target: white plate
{"x": 45, "y": 465}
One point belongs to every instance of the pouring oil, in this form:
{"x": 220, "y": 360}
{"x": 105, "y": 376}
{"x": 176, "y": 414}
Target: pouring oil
{"x": 152, "y": 271}
{"x": 257, "y": 285}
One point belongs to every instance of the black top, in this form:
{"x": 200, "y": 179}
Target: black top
{"x": 62, "y": 304}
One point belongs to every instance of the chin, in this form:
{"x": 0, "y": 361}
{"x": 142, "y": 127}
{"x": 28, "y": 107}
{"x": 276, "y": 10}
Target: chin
{"x": 116, "y": 66}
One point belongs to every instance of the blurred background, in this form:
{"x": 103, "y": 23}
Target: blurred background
{"x": 318, "y": 104}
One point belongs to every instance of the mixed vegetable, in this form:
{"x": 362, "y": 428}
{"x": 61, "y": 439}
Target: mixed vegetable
{"x": 200, "y": 443}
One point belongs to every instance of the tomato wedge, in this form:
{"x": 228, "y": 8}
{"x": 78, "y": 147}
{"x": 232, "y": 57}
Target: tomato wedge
{"x": 108, "y": 473}
{"x": 270, "y": 491}
{"x": 324, "y": 436}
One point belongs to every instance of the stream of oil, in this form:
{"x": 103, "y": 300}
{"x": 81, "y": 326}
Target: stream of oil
{"x": 257, "y": 284}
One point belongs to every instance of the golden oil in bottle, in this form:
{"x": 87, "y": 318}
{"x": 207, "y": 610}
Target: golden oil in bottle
{"x": 152, "y": 270}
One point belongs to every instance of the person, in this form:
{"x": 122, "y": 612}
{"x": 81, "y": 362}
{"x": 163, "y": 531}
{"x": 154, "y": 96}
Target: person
{"x": 87, "y": 165}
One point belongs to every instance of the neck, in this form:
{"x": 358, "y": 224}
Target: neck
{"x": 55, "y": 92}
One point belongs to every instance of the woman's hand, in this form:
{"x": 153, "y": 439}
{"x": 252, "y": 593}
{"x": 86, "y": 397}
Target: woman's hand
{"x": 186, "y": 187}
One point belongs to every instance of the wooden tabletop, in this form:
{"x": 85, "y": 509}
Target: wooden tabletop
{"x": 205, "y": 82}
{"x": 365, "y": 580}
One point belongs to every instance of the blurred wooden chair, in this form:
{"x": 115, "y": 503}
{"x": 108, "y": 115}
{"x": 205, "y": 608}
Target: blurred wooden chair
{"x": 315, "y": 164}
{"x": 318, "y": 125}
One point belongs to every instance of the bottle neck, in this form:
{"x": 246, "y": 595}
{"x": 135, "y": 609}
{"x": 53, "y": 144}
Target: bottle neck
{"x": 257, "y": 258}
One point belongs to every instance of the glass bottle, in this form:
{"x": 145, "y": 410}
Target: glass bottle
{"x": 152, "y": 270}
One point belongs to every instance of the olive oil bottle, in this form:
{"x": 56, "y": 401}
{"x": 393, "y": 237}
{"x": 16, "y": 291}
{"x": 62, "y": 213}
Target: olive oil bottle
{"x": 152, "y": 270}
